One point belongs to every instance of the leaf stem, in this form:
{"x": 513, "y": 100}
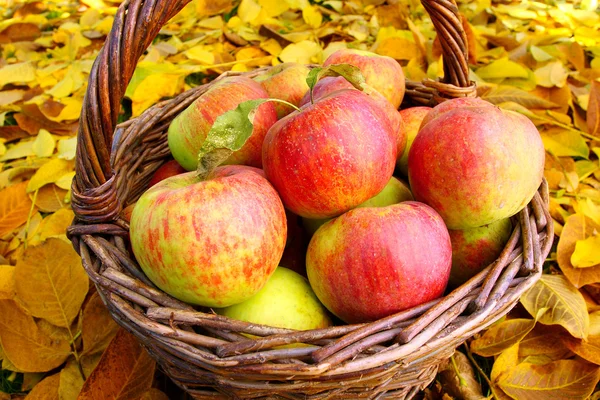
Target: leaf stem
{"x": 29, "y": 218}
{"x": 462, "y": 382}
{"x": 479, "y": 369}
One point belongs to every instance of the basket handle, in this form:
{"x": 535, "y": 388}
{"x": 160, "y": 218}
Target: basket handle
{"x": 136, "y": 24}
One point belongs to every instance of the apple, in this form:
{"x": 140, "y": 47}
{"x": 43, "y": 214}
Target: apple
{"x": 188, "y": 130}
{"x": 396, "y": 191}
{"x": 286, "y": 301}
{"x": 448, "y": 105}
{"x": 411, "y": 122}
{"x": 476, "y": 248}
{"x": 330, "y": 84}
{"x": 383, "y": 73}
{"x": 287, "y": 82}
{"x": 373, "y": 262}
{"x": 212, "y": 242}
{"x": 166, "y": 170}
{"x": 476, "y": 165}
{"x": 330, "y": 156}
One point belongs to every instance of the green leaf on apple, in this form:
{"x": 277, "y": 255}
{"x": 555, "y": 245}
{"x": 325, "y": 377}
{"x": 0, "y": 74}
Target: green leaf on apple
{"x": 229, "y": 133}
{"x": 349, "y": 72}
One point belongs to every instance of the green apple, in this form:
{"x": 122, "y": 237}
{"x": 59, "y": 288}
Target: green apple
{"x": 396, "y": 191}
{"x": 286, "y": 301}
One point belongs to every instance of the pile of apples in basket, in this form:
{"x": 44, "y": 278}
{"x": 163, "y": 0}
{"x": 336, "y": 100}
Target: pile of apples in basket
{"x": 293, "y": 176}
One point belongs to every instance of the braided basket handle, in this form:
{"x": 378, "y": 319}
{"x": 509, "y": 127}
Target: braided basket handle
{"x": 136, "y": 24}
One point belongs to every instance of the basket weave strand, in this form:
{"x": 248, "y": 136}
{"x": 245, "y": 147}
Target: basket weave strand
{"x": 209, "y": 355}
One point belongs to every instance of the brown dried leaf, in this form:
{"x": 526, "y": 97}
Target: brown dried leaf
{"x": 14, "y": 208}
{"x": 7, "y": 282}
{"x": 31, "y": 120}
{"x": 25, "y": 345}
{"x": 588, "y": 349}
{"x": 558, "y": 380}
{"x": 50, "y": 198}
{"x": 51, "y": 282}
{"x": 20, "y": 32}
{"x": 543, "y": 344}
{"x": 503, "y": 94}
{"x": 576, "y": 227}
{"x": 502, "y": 336}
{"x": 125, "y": 371}
{"x": 458, "y": 379}
{"x": 154, "y": 394}
{"x": 46, "y": 389}
{"x": 593, "y": 110}
{"x": 98, "y": 326}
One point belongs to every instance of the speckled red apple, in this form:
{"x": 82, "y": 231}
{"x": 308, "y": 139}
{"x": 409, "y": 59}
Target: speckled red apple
{"x": 166, "y": 170}
{"x": 188, "y": 130}
{"x": 214, "y": 242}
{"x": 476, "y": 165}
{"x": 331, "y": 155}
{"x": 372, "y": 262}
{"x": 382, "y": 73}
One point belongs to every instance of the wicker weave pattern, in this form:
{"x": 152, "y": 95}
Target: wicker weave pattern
{"x": 207, "y": 354}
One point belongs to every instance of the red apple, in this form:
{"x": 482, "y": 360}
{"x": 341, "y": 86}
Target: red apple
{"x": 287, "y": 82}
{"x": 476, "y": 165}
{"x": 448, "y": 105}
{"x": 166, "y": 170}
{"x": 372, "y": 262}
{"x": 329, "y": 85}
{"x": 476, "y": 248}
{"x": 331, "y": 155}
{"x": 382, "y": 73}
{"x": 188, "y": 130}
{"x": 214, "y": 242}
{"x": 411, "y": 122}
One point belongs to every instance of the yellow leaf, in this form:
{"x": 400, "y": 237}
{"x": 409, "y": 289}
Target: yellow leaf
{"x": 312, "y": 16}
{"x": 552, "y": 74}
{"x": 539, "y": 54}
{"x": 152, "y": 89}
{"x": 273, "y": 8}
{"x": 271, "y": 46}
{"x": 125, "y": 371}
{"x": 17, "y": 73}
{"x": 49, "y": 173}
{"x": 15, "y": 206}
{"x": 89, "y": 18}
{"x": 249, "y": 10}
{"x": 201, "y": 54}
{"x": 25, "y": 345}
{"x": 565, "y": 305}
{"x": 43, "y": 145}
{"x": 304, "y": 52}
{"x": 66, "y": 148}
{"x": 63, "y": 88}
{"x": 502, "y": 336}
{"x": 46, "y": 389}
{"x": 505, "y": 362}
{"x": 98, "y": 326}
{"x": 595, "y": 323}
{"x": 576, "y": 227}
{"x": 587, "y": 252}
{"x": 7, "y": 282}
{"x": 398, "y": 48}
{"x": 56, "y": 224}
{"x": 64, "y": 182}
{"x": 558, "y": 380}
{"x": 593, "y": 109}
{"x": 71, "y": 381}
{"x": 19, "y": 150}
{"x": 71, "y": 110}
{"x": 501, "y": 94}
{"x": 51, "y": 282}
{"x": 502, "y": 68}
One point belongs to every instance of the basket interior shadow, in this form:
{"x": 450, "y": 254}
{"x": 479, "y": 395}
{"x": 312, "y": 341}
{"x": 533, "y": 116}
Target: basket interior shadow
{"x": 207, "y": 354}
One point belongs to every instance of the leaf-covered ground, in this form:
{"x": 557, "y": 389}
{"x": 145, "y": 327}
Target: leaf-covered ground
{"x": 539, "y": 59}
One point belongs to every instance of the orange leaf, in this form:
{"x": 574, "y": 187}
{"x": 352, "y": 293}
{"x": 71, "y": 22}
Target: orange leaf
{"x": 502, "y": 336}
{"x": 25, "y": 344}
{"x": 588, "y": 349}
{"x": 15, "y": 206}
{"x": 50, "y": 198}
{"x": 154, "y": 394}
{"x": 125, "y": 371}
{"x": 593, "y": 110}
{"x": 98, "y": 326}
{"x": 46, "y": 389}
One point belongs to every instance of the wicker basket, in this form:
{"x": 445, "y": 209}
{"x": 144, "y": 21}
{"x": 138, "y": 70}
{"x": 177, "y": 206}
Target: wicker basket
{"x": 206, "y": 354}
